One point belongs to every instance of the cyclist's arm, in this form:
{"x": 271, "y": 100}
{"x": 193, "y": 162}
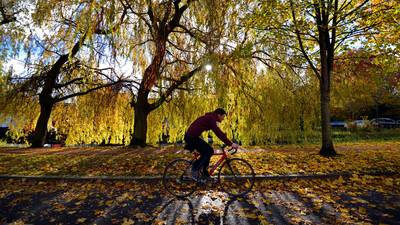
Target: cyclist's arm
{"x": 221, "y": 135}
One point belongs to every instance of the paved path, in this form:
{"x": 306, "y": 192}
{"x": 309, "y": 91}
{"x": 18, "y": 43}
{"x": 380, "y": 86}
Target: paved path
{"x": 124, "y": 202}
{"x": 158, "y": 178}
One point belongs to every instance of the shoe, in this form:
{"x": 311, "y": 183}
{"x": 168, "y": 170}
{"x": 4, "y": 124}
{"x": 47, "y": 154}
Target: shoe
{"x": 208, "y": 178}
{"x": 196, "y": 175}
{"x": 211, "y": 180}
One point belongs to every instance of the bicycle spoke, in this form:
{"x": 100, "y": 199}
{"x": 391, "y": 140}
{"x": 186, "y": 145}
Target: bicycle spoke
{"x": 177, "y": 178}
{"x": 236, "y": 177}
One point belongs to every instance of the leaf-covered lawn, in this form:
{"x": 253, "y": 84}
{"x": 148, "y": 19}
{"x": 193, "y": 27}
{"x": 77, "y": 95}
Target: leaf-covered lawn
{"x": 121, "y": 161}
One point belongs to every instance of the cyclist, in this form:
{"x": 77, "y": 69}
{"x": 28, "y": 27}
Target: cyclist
{"x": 194, "y": 141}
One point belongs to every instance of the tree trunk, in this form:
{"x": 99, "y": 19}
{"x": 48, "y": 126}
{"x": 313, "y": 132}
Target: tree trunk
{"x": 161, "y": 28}
{"x": 45, "y": 97}
{"x": 40, "y": 134}
{"x": 140, "y": 121}
{"x": 140, "y": 128}
{"x": 142, "y": 106}
{"x": 327, "y": 148}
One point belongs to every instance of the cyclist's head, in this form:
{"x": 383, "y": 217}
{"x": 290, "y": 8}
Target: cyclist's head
{"x": 220, "y": 114}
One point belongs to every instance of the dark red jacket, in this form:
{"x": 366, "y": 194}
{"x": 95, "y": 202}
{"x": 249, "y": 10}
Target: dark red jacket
{"x": 204, "y": 123}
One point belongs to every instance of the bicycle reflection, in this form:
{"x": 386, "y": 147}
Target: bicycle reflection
{"x": 176, "y": 211}
{"x": 199, "y": 210}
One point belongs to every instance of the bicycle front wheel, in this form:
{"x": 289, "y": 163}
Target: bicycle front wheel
{"x": 177, "y": 178}
{"x": 236, "y": 177}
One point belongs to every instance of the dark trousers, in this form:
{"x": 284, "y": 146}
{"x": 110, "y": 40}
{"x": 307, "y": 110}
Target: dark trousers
{"x": 205, "y": 150}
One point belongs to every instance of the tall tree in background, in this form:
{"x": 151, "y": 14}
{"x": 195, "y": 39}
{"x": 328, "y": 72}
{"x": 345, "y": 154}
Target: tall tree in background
{"x": 325, "y": 25}
{"x": 307, "y": 35}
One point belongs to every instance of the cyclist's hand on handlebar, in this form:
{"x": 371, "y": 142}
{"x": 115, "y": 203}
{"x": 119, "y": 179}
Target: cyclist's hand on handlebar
{"x": 235, "y": 146}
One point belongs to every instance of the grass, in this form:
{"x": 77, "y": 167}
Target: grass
{"x": 361, "y": 135}
{"x": 3, "y": 144}
{"x": 366, "y": 135}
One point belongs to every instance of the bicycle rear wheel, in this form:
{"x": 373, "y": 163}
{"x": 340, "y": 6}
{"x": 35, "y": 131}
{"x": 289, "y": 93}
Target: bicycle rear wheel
{"x": 177, "y": 178}
{"x": 236, "y": 177}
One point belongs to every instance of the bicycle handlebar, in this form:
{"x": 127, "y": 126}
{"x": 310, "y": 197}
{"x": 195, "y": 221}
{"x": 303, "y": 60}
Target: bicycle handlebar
{"x": 231, "y": 150}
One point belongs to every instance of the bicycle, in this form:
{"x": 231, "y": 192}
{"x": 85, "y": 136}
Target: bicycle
{"x": 235, "y": 176}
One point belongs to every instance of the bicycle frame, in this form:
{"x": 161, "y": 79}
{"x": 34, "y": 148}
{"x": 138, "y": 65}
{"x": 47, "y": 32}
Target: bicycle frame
{"x": 223, "y": 155}
{"x": 181, "y": 183}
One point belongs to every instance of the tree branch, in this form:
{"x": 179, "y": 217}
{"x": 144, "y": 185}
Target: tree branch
{"x": 100, "y": 31}
{"x": 299, "y": 39}
{"x": 138, "y": 14}
{"x": 173, "y": 87}
{"x": 58, "y": 86}
{"x": 59, "y": 99}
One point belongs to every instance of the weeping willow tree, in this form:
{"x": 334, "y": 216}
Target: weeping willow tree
{"x": 235, "y": 85}
{"x": 170, "y": 42}
{"x": 55, "y": 69}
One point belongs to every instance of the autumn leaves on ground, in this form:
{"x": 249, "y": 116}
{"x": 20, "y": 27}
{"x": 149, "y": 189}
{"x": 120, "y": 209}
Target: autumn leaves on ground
{"x": 123, "y": 161}
{"x": 369, "y": 196}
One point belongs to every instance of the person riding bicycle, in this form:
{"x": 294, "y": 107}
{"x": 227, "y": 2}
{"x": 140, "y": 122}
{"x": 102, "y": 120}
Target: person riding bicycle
{"x": 194, "y": 141}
